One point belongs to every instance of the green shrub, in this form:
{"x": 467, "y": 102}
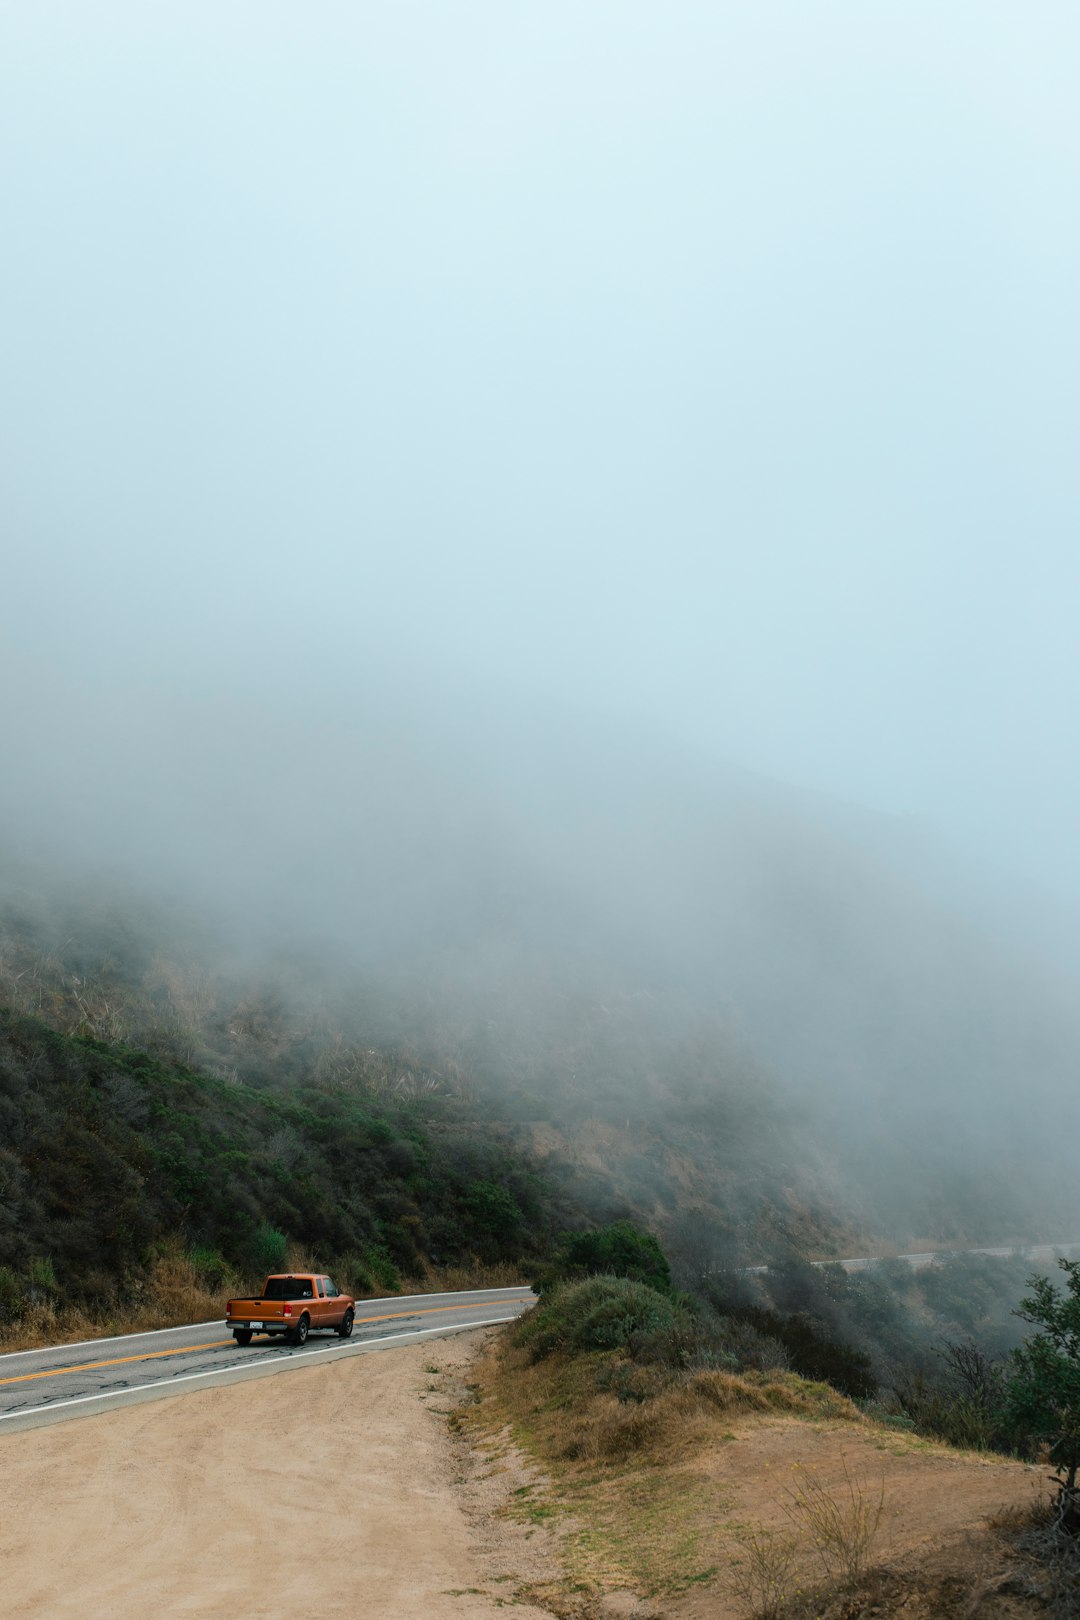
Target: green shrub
{"x": 493, "y": 1209}
{"x": 211, "y": 1267}
{"x": 698, "y": 1339}
{"x": 599, "y": 1313}
{"x": 619, "y": 1250}
{"x": 957, "y": 1419}
{"x": 380, "y": 1268}
{"x": 42, "y": 1275}
{"x": 268, "y": 1248}
{"x": 113, "y": 1152}
{"x": 814, "y": 1354}
{"x": 12, "y": 1296}
{"x": 964, "y": 1402}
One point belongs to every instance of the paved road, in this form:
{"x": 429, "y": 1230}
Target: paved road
{"x": 1040, "y": 1251}
{"x": 77, "y": 1380}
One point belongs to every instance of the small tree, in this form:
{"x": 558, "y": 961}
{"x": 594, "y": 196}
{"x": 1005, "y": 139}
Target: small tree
{"x": 1044, "y": 1389}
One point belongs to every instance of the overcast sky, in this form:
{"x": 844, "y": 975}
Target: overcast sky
{"x": 714, "y": 365}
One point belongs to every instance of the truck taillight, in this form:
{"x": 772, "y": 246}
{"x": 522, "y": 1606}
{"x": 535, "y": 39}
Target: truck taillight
{"x": 228, "y": 1308}
{"x": 286, "y": 1310}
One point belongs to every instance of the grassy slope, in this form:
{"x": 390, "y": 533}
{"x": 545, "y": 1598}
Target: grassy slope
{"x": 662, "y": 1496}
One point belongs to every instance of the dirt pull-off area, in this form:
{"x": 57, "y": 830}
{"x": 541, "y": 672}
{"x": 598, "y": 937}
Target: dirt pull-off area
{"x": 330, "y": 1490}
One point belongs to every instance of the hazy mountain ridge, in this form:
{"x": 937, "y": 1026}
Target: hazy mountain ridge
{"x": 784, "y": 1022}
{"x": 781, "y": 1004}
{"x": 680, "y": 1144}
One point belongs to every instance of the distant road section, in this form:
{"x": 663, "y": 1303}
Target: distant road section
{"x": 1040, "y": 1251}
{"x": 77, "y": 1380}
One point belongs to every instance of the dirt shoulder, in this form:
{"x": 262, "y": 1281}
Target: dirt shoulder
{"x": 348, "y": 1501}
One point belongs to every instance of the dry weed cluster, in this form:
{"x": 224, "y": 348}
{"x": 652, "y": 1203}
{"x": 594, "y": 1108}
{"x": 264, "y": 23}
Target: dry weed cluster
{"x": 763, "y": 1575}
{"x": 842, "y": 1523}
{"x": 835, "y": 1524}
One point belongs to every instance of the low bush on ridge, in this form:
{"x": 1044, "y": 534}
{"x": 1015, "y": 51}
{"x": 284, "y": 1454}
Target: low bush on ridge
{"x": 598, "y": 1313}
{"x": 647, "y": 1327}
{"x": 609, "y": 1369}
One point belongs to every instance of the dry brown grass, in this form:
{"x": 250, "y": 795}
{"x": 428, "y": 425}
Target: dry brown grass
{"x": 677, "y": 1492}
{"x": 631, "y": 1474}
{"x": 839, "y": 1523}
{"x": 173, "y": 1296}
{"x": 666, "y": 1415}
{"x": 449, "y": 1279}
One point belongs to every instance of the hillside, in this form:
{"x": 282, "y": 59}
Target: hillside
{"x": 112, "y": 1158}
{"x": 757, "y": 1023}
{"x": 269, "y": 1133}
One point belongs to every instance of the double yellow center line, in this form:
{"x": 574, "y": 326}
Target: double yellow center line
{"x": 218, "y": 1344}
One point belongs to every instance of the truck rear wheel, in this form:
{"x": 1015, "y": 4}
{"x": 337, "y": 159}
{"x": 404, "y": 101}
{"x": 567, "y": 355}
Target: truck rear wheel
{"x": 345, "y": 1325}
{"x": 300, "y": 1331}
{"x": 242, "y": 1335}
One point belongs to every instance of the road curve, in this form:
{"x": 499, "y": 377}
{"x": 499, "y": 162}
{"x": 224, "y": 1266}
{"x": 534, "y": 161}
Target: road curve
{"x": 1039, "y": 1251}
{"x": 932, "y": 1257}
{"x": 78, "y": 1380}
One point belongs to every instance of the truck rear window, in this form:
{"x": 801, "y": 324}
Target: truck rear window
{"x": 287, "y": 1288}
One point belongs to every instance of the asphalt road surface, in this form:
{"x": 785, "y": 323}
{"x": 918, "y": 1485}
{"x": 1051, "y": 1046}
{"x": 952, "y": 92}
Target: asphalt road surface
{"x": 77, "y": 1380}
{"x": 932, "y": 1257}
{"x": 1041, "y": 1251}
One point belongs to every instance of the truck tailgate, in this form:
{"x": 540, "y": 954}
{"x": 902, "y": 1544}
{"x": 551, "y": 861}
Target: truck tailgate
{"x": 246, "y": 1312}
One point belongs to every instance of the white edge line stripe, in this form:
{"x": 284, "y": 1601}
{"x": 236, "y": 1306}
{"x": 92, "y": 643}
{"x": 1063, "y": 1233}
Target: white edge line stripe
{"x": 221, "y": 1372}
{"x": 114, "y": 1338}
{"x": 219, "y": 1321}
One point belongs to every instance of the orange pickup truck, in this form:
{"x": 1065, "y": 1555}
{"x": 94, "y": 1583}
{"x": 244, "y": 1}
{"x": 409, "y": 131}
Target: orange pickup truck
{"x": 291, "y": 1306}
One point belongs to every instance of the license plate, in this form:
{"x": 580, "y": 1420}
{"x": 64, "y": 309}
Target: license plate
{"x": 254, "y": 1325}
